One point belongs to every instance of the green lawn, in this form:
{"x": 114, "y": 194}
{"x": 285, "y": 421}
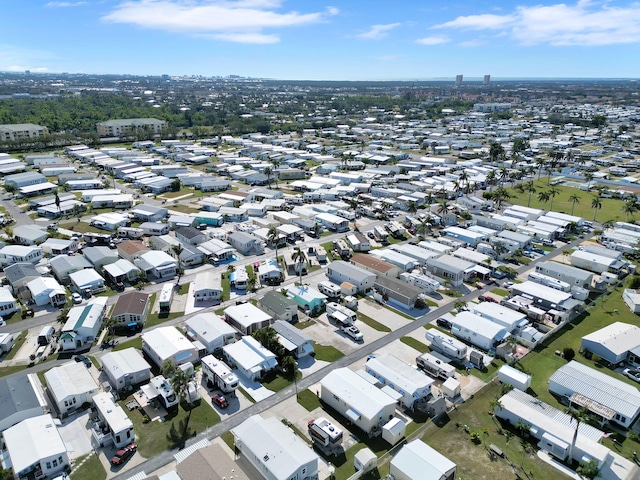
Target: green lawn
{"x": 450, "y": 439}
{"x": 226, "y": 289}
{"x": 156, "y": 437}
{"x": 611, "y": 207}
{"x": 500, "y": 291}
{"x": 278, "y": 382}
{"x": 134, "y": 342}
{"x": 13, "y": 369}
{"x": 303, "y": 325}
{"x": 326, "y": 353}
{"x": 372, "y": 323}
{"x": 415, "y": 344}
{"x": 19, "y": 340}
{"x": 246, "y": 394}
{"x": 157, "y": 318}
{"x": 308, "y": 400}
{"x": 91, "y": 468}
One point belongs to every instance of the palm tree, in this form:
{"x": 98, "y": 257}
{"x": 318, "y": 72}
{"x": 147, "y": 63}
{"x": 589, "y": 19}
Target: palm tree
{"x": 273, "y": 236}
{"x": 276, "y": 163}
{"x": 496, "y": 152}
{"x": 491, "y": 178}
{"x": 499, "y": 196}
{"x": 630, "y": 206}
{"x": 540, "y": 162}
{"x": 268, "y": 171}
{"x": 57, "y": 200}
{"x": 543, "y": 197}
{"x": 300, "y": 258}
{"x": 553, "y": 191}
{"x": 423, "y": 228}
{"x": 443, "y": 208}
{"x": 596, "y": 204}
{"x": 588, "y": 176}
{"x": 503, "y": 174}
{"x": 580, "y": 416}
{"x": 530, "y": 187}
{"x": 412, "y": 207}
{"x": 575, "y": 198}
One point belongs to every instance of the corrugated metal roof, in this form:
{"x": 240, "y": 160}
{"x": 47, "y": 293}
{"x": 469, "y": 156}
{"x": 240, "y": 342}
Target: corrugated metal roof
{"x": 599, "y": 387}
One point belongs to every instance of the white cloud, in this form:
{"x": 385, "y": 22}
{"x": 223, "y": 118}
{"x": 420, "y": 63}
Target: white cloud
{"x": 585, "y": 23}
{"x": 376, "y": 32}
{"x": 241, "y": 21}
{"x": 65, "y": 4}
{"x": 434, "y": 40}
{"x": 18, "y": 59}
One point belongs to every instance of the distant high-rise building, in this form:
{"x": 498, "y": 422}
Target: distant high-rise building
{"x": 487, "y": 80}
{"x": 458, "y": 80}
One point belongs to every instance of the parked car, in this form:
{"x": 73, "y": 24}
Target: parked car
{"x": 354, "y": 333}
{"x": 370, "y": 235}
{"x": 123, "y": 454}
{"x": 219, "y": 400}
{"x": 548, "y": 243}
{"x": 83, "y": 359}
{"x": 444, "y": 323}
{"x": 632, "y": 373}
{"x": 487, "y": 298}
{"x": 507, "y": 284}
{"x": 76, "y": 298}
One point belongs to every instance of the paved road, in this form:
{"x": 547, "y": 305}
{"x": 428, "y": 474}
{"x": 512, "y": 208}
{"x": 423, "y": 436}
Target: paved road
{"x": 367, "y": 349}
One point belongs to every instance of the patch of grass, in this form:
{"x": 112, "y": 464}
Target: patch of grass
{"x": 500, "y": 291}
{"x": 226, "y": 289}
{"x": 9, "y": 370}
{"x": 327, "y": 353}
{"x": 227, "y": 437}
{"x": 182, "y": 208}
{"x": 18, "y": 342}
{"x": 308, "y": 400}
{"x": 156, "y": 437}
{"x": 246, "y": 394}
{"x": 611, "y": 207}
{"x": 91, "y": 468}
{"x": 154, "y": 319}
{"x": 279, "y": 381}
{"x": 430, "y": 303}
{"x": 523, "y": 260}
{"x": 134, "y": 342}
{"x": 183, "y": 192}
{"x": 183, "y": 289}
{"x": 109, "y": 292}
{"x": 372, "y": 323}
{"x": 85, "y": 227}
{"x": 490, "y": 372}
{"x": 303, "y": 325}
{"x": 449, "y": 438}
{"x": 415, "y": 344}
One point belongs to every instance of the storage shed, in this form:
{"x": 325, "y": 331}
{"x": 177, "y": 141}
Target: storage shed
{"x": 514, "y": 377}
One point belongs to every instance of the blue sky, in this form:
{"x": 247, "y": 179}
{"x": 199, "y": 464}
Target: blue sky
{"x": 332, "y": 39}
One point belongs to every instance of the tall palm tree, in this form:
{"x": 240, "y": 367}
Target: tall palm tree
{"x": 503, "y": 174}
{"x": 499, "y": 196}
{"x": 412, "y": 207}
{"x": 579, "y": 416}
{"x": 273, "y": 236}
{"x": 268, "y": 171}
{"x": 540, "y": 162}
{"x": 530, "y": 187}
{"x": 553, "y": 191}
{"x": 423, "y": 228}
{"x": 300, "y": 258}
{"x": 543, "y": 196}
{"x": 588, "y": 176}
{"x": 575, "y": 198}
{"x": 276, "y": 163}
{"x": 596, "y": 204}
{"x": 496, "y": 152}
{"x": 630, "y": 206}
{"x": 491, "y": 178}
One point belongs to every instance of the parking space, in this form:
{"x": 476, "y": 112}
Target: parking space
{"x": 76, "y": 435}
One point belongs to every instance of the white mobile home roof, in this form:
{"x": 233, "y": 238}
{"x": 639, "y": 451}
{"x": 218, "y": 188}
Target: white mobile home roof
{"x": 209, "y": 326}
{"x": 166, "y": 341}
{"x": 527, "y": 210}
{"x": 504, "y": 316}
{"x": 274, "y": 445}
{"x": 247, "y": 314}
{"x": 593, "y": 257}
{"x": 618, "y": 337}
{"x": 400, "y": 374}
{"x": 357, "y": 392}
{"x": 70, "y": 379}
{"x": 600, "y": 387}
{"x": 250, "y": 355}
{"x": 565, "y": 217}
{"x": 124, "y": 361}
{"x": 417, "y": 460}
{"x": 541, "y": 291}
{"x": 33, "y": 439}
{"x": 113, "y": 414}
{"x": 481, "y": 326}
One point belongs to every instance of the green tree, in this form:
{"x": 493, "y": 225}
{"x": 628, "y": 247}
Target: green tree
{"x": 543, "y": 197}
{"x": 530, "y": 187}
{"x": 496, "y": 152}
{"x": 574, "y": 198}
{"x": 274, "y": 238}
{"x": 629, "y": 207}
{"x": 553, "y": 192}
{"x": 577, "y": 416}
{"x": 596, "y": 204}
{"x": 268, "y": 171}
{"x": 300, "y": 258}
{"x": 588, "y": 470}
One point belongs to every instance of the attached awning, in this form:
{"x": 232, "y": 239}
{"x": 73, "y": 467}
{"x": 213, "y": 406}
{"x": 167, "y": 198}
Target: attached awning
{"x": 353, "y": 415}
{"x": 553, "y": 440}
{"x": 592, "y": 406}
{"x": 149, "y": 391}
{"x": 391, "y": 392}
{"x": 481, "y": 270}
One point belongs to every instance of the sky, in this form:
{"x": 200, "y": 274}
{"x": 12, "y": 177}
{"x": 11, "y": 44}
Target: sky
{"x": 324, "y": 40}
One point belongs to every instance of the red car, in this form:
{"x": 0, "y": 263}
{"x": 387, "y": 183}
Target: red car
{"x": 123, "y": 454}
{"x": 219, "y": 400}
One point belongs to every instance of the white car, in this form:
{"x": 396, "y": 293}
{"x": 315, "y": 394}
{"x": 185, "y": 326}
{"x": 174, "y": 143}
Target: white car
{"x": 76, "y": 298}
{"x": 632, "y": 373}
{"x": 354, "y": 333}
